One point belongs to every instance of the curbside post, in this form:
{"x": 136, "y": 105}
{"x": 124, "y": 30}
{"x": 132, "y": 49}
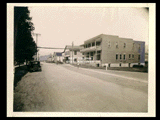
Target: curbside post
{"x": 106, "y": 66}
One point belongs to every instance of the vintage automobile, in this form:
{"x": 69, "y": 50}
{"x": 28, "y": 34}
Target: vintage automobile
{"x": 34, "y": 66}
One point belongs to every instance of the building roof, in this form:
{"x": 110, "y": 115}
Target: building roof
{"x": 93, "y": 39}
{"x": 97, "y": 38}
{"x": 139, "y": 41}
{"x": 125, "y": 39}
{"x": 58, "y": 53}
{"x": 70, "y": 47}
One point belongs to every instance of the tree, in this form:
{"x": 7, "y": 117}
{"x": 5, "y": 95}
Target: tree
{"x": 24, "y": 45}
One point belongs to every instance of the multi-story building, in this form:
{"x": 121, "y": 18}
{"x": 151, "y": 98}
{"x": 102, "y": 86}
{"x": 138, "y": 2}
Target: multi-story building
{"x": 72, "y": 52}
{"x": 57, "y": 56}
{"x": 113, "y": 51}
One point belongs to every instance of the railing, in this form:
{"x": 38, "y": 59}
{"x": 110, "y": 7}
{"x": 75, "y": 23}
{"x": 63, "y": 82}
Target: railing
{"x": 91, "y": 49}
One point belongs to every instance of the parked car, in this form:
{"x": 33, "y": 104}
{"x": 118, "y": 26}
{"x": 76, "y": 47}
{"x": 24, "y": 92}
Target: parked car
{"x": 34, "y": 66}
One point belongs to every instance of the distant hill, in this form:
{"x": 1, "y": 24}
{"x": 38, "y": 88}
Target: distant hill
{"x": 43, "y": 58}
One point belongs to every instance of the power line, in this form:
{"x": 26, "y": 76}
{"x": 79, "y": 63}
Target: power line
{"x": 49, "y": 48}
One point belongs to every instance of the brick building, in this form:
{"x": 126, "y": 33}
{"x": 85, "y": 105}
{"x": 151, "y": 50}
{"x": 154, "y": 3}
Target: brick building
{"x": 113, "y": 51}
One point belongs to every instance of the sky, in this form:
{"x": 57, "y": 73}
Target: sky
{"x": 59, "y": 26}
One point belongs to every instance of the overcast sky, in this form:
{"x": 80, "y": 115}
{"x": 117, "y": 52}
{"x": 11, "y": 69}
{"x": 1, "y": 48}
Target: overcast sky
{"x": 59, "y": 26}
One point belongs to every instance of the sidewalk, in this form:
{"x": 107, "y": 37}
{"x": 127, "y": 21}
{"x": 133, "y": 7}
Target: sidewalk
{"x": 136, "y": 76}
{"x": 131, "y": 69}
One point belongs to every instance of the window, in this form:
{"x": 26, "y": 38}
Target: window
{"x": 93, "y": 44}
{"x": 139, "y": 46}
{"x": 75, "y": 52}
{"x": 116, "y": 56}
{"x": 109, "y": 44}
{"x": 120, "y": 57}
{"x": 116, "y": 44}
{"x": 124, "y": 57}
{"x": 98, "y": 43}
{"x": 91, "y": 53}
{"x": 75, "y": 59}
{"x": 98, "y": 52}
{"x": 98, "y": 57}
{"x": 124, "y": 45}
{"x": 133, "y": 45}
{"x": 129, "y": 56}
{"x": 87, "y": 56}
{"x": 89, "y": 45}
{"x": 133, "y": 56}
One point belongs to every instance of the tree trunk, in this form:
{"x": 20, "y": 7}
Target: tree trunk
{"x": 26, "y": 62}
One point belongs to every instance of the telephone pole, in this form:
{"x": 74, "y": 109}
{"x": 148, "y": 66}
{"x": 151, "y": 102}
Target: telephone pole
{"x": 72, "y": 52}
{"x": 37, "y": 43}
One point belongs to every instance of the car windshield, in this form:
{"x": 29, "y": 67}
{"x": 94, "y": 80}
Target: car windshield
{"x": 35, "y": 63}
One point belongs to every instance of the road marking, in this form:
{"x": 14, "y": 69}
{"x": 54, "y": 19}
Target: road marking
{"x": 111, "y": 74}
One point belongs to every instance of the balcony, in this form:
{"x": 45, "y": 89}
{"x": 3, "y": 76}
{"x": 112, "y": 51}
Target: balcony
{"x": 94, "y": 48}
{"x": 66, "y": 56}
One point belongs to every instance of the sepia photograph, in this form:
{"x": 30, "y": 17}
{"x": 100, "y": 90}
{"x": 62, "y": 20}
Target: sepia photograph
{"x": 69, "y": 59}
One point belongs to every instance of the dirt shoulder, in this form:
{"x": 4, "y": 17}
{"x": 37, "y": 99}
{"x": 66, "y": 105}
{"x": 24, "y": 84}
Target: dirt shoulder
{"x": 19, "y": 73}
{"x": 32, "y": 93}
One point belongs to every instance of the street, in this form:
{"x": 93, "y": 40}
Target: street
{"x": 64, "y": 88}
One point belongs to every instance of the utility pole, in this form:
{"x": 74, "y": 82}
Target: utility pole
{"x": 72, "y": 52}
{"x": 96, "y": 49}
{"x": 37, "y": 43}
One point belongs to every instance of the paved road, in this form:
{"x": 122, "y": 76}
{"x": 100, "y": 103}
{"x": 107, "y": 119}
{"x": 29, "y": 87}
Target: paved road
{"x": 63, "y": 88}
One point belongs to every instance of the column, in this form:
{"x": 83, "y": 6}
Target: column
{"x": 96, "y": 50}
